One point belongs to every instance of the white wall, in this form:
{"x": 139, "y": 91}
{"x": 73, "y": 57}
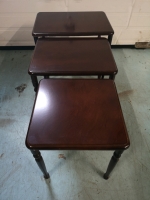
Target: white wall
{"x": 129, "y": 18}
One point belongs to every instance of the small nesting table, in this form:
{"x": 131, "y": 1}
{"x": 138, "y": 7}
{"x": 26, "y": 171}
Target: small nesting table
{"x": 72, "y": 24}
{"x": 72, "y": 57}
{"x": 78, "y": 115}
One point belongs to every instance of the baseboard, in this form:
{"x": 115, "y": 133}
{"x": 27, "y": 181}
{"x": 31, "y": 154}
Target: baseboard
{"x": 17, "y": 47}
{"x": 32, "y": 47}
{"x": 122, "y": 46}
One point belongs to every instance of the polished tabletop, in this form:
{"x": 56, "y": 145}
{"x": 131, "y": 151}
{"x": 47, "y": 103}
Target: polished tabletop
{"x": 72, "y": 57}
{"x": 77, "y": 114}
{"x": 71, "y": 24}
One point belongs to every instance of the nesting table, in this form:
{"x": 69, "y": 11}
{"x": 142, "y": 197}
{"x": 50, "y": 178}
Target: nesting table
{"x": 72, "y": 57}
{"x": 60, "y": 24}
{"x": 77, "y": 115}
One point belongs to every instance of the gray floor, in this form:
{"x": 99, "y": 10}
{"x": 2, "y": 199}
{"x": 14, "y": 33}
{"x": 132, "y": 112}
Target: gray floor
{"x": 76, "y": 174}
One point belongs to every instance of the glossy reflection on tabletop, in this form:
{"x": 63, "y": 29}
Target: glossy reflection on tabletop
{"x": 77, "y": 114}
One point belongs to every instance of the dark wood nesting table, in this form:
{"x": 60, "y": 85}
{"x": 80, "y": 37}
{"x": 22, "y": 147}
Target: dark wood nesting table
{"x": 58, "y": 24}
{"x": 78, "y": 115}
{"x": 72, "y": 57}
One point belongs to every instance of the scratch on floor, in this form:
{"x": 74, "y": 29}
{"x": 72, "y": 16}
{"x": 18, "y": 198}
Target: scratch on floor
{"x": 9, "y": 175}
{"x": 5, "y": 98}
{"x": 125, "y": 93}
{"x": 61, "y": 156}
{"x": 93, "y": 183}
{"x": 6, "y": 122}
{"x": 1, "y": 155}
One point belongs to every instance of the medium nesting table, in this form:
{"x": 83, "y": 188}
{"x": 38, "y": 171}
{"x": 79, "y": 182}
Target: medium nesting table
{"x": 72, "y": 57}
{"x": 60, "y": 24}
{"x": 78, "y": 115}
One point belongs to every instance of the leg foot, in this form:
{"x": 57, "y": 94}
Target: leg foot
{"x": 34, "y": 82}
{"x": 105, "y": 176}
{"x": 39, "y": 160}
{"x": 113, "y": 162}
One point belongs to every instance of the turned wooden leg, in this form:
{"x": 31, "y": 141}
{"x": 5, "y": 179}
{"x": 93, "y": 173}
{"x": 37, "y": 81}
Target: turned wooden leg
{"x": 39, "y": 160}
{"x": 110, "y": 38}
{"x": 34, "y": 82}
{"x": 35, "y": 39}
{"x": 46, "y": 77}
{"x": 112, "y": 77}
{"x": 113, "y": 162}
{"x": 100, "y": 76}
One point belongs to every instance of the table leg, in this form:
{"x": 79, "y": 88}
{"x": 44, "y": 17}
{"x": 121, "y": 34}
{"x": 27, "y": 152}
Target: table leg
{"x": 34, "y": 82}
{"x": 39, "y": 160}
{"x": 110, "y": 38}
{"x": 100, "y": 76}
{"x": 35, "y": 39}
{"x": 113, "y": 162}
{"x": 46, "y": 77}
{"x": 112, "y": 77}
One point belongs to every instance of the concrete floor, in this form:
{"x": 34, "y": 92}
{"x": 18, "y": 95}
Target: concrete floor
{"x": 78, "y": 174}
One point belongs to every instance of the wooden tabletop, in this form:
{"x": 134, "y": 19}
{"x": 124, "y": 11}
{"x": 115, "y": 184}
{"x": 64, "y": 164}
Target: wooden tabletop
{"x": 77, "y": 114}
{"x": 72, "y": 57}
{"x": 71, "y": 24}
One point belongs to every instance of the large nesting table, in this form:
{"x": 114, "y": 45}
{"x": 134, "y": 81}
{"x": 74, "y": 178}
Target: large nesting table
{"x": 78, "y": 115}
